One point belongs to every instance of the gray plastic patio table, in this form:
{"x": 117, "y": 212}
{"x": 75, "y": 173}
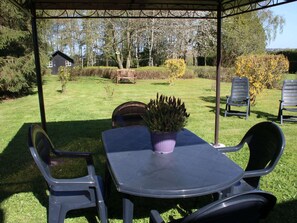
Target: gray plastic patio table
{"x": 194, "y": 168}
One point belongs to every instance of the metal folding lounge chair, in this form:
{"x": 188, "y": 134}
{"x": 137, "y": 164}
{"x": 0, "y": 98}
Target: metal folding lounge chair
{"x": 239, "y": 97}
{"x": 288, "y": 101}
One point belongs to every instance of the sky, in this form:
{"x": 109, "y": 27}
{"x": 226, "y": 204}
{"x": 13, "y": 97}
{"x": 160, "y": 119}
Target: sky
{"x": 288, "y": 38}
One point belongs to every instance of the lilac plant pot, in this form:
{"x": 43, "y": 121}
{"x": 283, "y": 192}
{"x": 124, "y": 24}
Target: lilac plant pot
{"x": 163, "y": 142}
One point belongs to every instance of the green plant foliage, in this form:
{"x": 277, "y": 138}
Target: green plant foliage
{"x": 64, "y": 76}
{"x": 17, "y": 76}
{"x": 17, "y": 67}
{"x": 242, "y": 38}
{"x": 263, "y": 71}
{"x": 177, "y": 68}
{"x": 166, "y": 114}
{"x": 292, "y": 57}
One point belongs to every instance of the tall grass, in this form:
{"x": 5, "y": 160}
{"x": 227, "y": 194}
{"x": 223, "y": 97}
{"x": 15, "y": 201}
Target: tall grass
{"x": 77, "y": 118}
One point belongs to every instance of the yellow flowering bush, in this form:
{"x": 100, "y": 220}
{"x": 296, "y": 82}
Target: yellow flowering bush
{"x": 263, "y": 71}
{"x": 64, "y": 76}
{"x": 177, "y": 68}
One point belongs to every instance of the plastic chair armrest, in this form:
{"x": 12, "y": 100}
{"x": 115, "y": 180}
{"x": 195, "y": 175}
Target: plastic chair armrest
{"x": 74, "y": 184}
{"x": 155, "y": 217}
{"x": 230, "y": 149}
{"x": 256, "y": 173}
{"x": 72, "y": 154}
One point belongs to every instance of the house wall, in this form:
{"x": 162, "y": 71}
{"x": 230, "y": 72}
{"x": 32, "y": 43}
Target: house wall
{"x": 58, "y": 61}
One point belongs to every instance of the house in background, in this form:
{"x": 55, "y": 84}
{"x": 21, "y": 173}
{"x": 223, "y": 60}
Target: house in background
{"x": 60, "y": 59}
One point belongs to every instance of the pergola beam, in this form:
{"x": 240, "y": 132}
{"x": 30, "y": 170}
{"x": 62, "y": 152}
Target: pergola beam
{"x": 142, "y": 9}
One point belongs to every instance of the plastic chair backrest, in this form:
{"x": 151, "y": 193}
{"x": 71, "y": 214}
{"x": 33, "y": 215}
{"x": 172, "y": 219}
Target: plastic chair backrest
{"x": 242, "y": 208}
{"x": 128, "y": 113}
{"x": 239, "y": 89}
{"x": 266, "y": 143}
{"x": 289, "y": 92}
{"x": 40, "y": 147}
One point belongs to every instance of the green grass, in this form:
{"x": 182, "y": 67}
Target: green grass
{"x": 76, "y": 120}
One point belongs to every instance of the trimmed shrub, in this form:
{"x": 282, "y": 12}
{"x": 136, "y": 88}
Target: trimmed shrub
{"x": 261, "y": 70}
{"x": 292, "y": 57}
{"x": 209, "y": 72}
{"x": 151, "y": 73}
{"x": 141, "y": 72}
{"x": 105, "y": 72}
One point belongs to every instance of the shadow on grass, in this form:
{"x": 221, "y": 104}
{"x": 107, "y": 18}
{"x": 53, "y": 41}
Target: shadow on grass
{"x": 259, "y": 114}
{"x": 18, "y": 172}
{"x": 283, "y": 212}
{"x": 212, "y": 99}
{"x": 163, "y": 83}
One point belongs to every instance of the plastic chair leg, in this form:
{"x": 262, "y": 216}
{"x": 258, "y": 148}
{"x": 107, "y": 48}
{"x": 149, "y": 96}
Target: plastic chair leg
{"x": 55, "y": 213}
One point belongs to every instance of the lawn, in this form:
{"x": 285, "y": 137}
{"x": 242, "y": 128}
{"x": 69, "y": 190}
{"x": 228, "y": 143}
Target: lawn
{"x": 77, "y": 118}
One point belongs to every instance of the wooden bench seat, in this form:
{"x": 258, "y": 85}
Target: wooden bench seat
{"x": 125, "y": 75}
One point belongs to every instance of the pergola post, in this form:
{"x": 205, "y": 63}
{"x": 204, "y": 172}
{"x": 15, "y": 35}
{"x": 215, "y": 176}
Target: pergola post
{"x": 38, "y": 67}
{"x": 218, "y": 73}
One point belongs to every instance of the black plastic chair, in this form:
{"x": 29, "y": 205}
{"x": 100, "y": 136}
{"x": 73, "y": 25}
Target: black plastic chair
{"x": 128, "y": 113}
{"x": 52, "y": 155}
{"x": 66, "y": 194}
{"x": 240, "y": 97}
{"x": 248, "y": 207}
{"x": 266, "y": 143}
{"x": 288, "y": 101}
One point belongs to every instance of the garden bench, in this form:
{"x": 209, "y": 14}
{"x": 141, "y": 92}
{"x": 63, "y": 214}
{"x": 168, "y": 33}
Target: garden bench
{"x": 288, "y": 101}
{"x": 124, "y": 75}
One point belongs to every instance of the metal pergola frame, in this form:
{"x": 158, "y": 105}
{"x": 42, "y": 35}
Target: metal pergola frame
{"x": 214, "y": 9}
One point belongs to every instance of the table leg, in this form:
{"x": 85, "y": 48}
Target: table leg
{"x": 128, "y": 207}
{"x": 107, "y": 185}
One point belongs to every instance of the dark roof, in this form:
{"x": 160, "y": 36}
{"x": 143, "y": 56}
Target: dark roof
{"x": 63, "y": 55}
{"x": 228, "y": 7}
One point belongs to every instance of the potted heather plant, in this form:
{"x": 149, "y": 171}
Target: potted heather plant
{"x": 164, "y": 117}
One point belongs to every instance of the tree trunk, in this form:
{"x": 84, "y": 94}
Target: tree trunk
{"x": 128, "y": 58}
{"x": 136, "y": 52}
{"x": 119, "y": 60}
{"x": 151, "y": 44}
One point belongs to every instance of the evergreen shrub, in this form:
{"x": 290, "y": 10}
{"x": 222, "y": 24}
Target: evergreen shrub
{"x": 292, "y": 57}
{"x": 17, "y": 76}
